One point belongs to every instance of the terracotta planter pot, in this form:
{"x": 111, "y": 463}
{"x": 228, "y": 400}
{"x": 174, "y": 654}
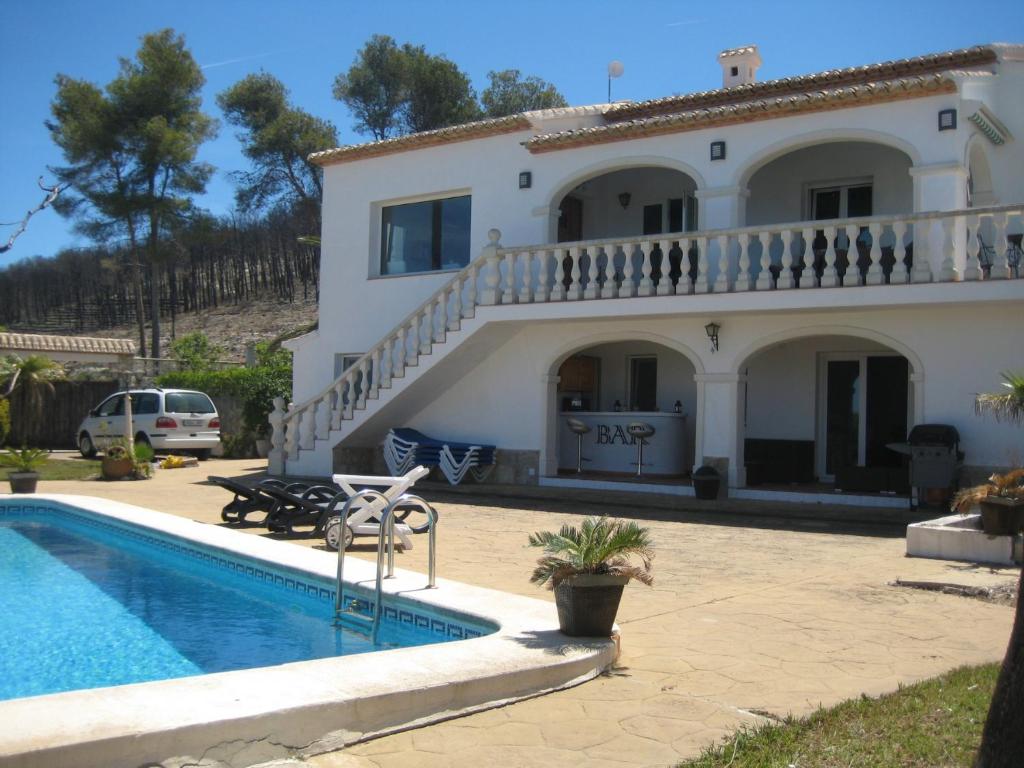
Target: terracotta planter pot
{"x": 1002, "y": 517}
{"x": 587, "y": 604}
{"x": 116, "y": 469}
{"x": 23, "y": 482}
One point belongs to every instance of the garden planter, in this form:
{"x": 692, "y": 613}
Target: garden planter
{"x": 587, "y": 604}
{"x": 114, "y": 468}
{"x": 706, "y": 482}
{"x": 1002, "y": 517}
{"x": 23, "y": 482}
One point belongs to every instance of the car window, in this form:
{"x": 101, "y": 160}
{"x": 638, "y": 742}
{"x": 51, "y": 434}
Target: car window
{"x": 111, "y": 406}
{"x": 188, "y": 402}
{"x": 144, "y": 403}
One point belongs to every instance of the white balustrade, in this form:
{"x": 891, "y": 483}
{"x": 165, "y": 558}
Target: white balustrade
{"x": 737, "y": 260}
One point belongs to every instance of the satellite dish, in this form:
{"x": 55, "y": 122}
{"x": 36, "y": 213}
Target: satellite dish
{"x": 615, "y": 69}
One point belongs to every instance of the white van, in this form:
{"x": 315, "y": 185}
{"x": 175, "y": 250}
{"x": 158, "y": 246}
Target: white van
{"x": 167, "y": 419}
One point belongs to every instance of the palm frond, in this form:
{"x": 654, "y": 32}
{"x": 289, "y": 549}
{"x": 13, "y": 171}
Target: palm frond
{"x": 599, "y": 546}
{"x": 1006, "y": 406}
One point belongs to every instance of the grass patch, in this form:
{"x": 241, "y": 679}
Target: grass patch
{"x": 933, "y": 723}
{"x": 74, "y": 469}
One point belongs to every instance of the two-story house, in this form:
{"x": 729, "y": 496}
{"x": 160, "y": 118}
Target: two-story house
{"x": 780, "y": 278}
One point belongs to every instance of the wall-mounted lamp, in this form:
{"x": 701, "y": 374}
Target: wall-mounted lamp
{"x": 624, "y": 198}
{"x": 525, "y": 180}
{"x": 947, "y": 119}
{"x": 718, "y": 150}
{"x": 711, "y": 329}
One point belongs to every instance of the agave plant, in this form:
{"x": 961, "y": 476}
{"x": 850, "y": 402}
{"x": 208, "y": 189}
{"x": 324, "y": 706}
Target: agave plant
{"x": 598, "y": 546}
{"x": 1006, "y": 486}
{"x": 1006, "y": 406}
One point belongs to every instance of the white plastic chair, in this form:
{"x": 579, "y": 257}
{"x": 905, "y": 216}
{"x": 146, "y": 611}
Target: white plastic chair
{"x": 364, "y": 518}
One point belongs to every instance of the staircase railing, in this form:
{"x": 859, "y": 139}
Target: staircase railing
{"x": 965, "y": 245}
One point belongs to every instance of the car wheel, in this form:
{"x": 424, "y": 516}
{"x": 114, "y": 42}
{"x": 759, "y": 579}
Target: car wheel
{"x": 202, "y": 454}
{"x": 85, "y": 445}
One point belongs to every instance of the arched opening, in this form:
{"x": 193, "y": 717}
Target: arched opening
{"x": 980, "y": 192}
{"x": 834, "y": 180}
{"x": 626, "y": 202}
{"x": 610, "y": 388}
{"x": 828, "y": 412}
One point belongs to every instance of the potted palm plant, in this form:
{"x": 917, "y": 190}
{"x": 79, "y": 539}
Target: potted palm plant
{"x": 1001, "y": 501}
{"x": 588, "y": 567}
{"x": 23, "y": 465}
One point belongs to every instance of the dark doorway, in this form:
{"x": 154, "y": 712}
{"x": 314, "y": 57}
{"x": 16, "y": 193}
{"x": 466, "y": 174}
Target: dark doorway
{"x": 570, "y": 219}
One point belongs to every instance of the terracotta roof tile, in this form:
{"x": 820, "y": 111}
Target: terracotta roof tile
{"x": 888, "y": 70}
{"x": 35, "y": 342}
{"x": 466, "y": 131}
{"x": 748, "y": 111}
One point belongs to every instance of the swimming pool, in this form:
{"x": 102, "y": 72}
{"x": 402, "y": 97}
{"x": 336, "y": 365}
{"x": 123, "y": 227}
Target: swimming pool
{"x": 87, "y": 603}
{"x": 285, "y": 708}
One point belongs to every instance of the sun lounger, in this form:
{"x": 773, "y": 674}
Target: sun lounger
{"x": 250, "y": 499}
{"x": 304, "y": 508}
{"x": 364, "y": 517}
{"x": 406, "y": 447}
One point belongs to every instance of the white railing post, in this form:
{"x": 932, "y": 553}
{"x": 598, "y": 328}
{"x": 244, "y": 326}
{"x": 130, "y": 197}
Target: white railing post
{"x": 542, "y": 290}
{"x": 744, "y": 279}
{"x": 722, "y": 278}
{"x": 785, "y": 279}
{"x": 922, "y": 272}
{"x": 469, "y": 308}
{"x": 665, "y": 281}
{"x": 608, "y": 287}
{"x": 874, "y": 275}
{"x": 364, "y": 385}
{"x": 765, "y": 280}
{"x": 276, "y": 457}
{"x": 685, "y": 285}
{"x": 413, "y": 341}
{"x": 899, "y": 274}
{"x": 558, "y": 292}
{"x": 508, "y": 296}
{"x": 293, "y": 427}
{"x": 852, "y": 256}
{"x": 307, "y": 434}
{"x": 829, "y": 277}
{"x": 455, "y": 315}
{"x": 808, "y": 275}
{"x": 489, "y": 295}
{"x": 526, "y": 284}
{"x": 593, "y": 253}
{"x": 575, "y": 289}
{"x": 426, "y": 336}
{"x": 626, "y": 288}
{"x": 947, "y": 270}
{"x": 349, "y": 399}
{"x": 323, "y": 418}
{"x": 972, "y": 266}
{"x": 700, "y": 284}
{"x": 646, "y": 284}
{"x": 1000, "y": 263}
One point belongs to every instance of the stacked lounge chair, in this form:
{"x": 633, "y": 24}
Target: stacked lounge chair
{"x": 405, "y": 448}
{"x": 251, "y": 499}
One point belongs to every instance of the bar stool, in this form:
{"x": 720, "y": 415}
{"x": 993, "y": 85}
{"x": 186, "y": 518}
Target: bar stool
{"x": 641, "y": 430}
{"x": 580, "y": 429}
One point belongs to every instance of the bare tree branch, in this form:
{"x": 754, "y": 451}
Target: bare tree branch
{"x": 51, "y": 194}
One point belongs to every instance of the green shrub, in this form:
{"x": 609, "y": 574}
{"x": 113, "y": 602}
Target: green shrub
{"x": 5, "y": 419}
{"x": 238, "y": 446}
{"x": 195, "y": 352}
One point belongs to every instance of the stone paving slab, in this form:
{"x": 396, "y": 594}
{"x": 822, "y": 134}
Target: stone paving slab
{"x": 766, "y": 619}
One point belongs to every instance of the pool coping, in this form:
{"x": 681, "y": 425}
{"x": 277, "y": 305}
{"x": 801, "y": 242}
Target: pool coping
{"x": 246, "y": 717}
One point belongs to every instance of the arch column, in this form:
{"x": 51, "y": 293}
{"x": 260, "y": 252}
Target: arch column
{"x": 721, "y": 207}
{"x": 719, "y": 405}
{"x": 549, "y": 452}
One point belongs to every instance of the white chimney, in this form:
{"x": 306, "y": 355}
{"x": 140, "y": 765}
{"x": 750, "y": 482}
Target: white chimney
{"x": 739, "y": 65}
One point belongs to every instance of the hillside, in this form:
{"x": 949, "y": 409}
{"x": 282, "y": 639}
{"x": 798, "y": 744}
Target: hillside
{"x": 231, "y": 327}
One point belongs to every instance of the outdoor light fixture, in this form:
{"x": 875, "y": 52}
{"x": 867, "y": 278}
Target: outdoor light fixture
{"x": 947, "y": 119}
{"x": 525, "y": 180}
{"x": 718, "y": 150}
{"x": 711, "y": 329}
{"x": 624, "y": 198}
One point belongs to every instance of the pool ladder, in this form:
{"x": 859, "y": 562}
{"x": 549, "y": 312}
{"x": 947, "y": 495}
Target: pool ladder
{"x": 386, "y": 534}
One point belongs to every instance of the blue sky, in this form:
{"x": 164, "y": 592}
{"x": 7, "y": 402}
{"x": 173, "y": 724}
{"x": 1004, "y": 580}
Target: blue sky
{"x": 667, "y": 47}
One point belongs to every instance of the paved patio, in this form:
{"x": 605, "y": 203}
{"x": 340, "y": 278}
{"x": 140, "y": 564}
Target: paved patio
{"x": 747, "y": 619}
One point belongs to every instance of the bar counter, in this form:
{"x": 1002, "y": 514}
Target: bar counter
{"x": 611, "y": 448}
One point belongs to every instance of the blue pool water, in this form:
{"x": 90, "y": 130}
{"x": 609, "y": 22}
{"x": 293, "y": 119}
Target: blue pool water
{"x": 86, "y": 605}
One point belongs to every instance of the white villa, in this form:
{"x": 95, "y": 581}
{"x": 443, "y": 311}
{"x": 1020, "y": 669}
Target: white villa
{"x": 850, "y": 239}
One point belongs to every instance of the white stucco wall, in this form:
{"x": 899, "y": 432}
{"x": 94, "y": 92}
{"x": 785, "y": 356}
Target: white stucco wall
{"x": 505, "y": 399}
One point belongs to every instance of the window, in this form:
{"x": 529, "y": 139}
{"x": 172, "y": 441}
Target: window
{"x": 643, "y": 383}
{"x": 426, "y": 236}
{"x": 111, "y": 406}
{"x": 145, "y": 403}
{"x": 842, "y": 201}
{"x": 188, "y": 402}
